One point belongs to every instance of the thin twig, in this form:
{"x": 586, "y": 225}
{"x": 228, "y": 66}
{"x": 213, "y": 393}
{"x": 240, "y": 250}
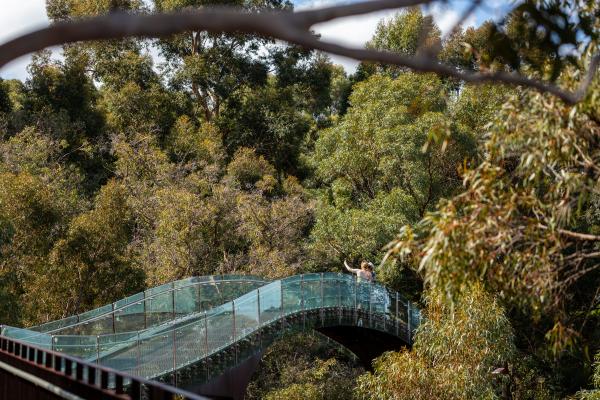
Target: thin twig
{"x": 288, "y": 26}
{"x": 578, "y": 235}
{"x": 575, "y": 235}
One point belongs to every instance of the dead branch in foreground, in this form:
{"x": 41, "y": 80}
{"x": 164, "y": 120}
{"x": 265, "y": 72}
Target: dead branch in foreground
{"x": 292, "y": 27}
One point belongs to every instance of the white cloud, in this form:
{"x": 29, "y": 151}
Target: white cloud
{"x": 19, "y": 17}
{"x": 351, "y": 31}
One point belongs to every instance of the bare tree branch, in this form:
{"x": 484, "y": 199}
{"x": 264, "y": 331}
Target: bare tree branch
{"x": 579, "y": 236}
{"x": 292, "y": 27}
{"x": 575, "y": 235}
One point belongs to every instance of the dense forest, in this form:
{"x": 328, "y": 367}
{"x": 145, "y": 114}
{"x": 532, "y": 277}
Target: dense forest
{"x": 228, "y": 153}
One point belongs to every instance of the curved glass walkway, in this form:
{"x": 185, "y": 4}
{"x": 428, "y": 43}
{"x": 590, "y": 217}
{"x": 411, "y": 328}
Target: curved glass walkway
{"x": 195, "y": 328}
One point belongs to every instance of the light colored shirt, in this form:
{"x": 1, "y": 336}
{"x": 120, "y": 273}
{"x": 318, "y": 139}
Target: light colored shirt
{"x": 361, "y": 274}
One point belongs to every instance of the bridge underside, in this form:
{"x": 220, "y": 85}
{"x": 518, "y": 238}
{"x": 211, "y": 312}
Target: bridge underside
{"x": 367, "y": 344}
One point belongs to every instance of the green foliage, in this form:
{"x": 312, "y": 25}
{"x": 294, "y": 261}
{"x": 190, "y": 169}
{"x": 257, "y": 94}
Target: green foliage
{"x": 388, "y": 161}
{"x": 408, "y": 33}
{"x": 593, "y": 394}
{"x": 91, "y": 265}
{"x": 5, "y": 102}
{"x": 199, "y": 147}
{"x": 324, "y": 379}
{"x": 34, "y": 215}
{"x": 520, "y": 228}
{"x": 248, "y": 171}
{"x": 269, "y": 120}
{"x": 453, "y": 357}
{"x": 276, "y": 230}
{"x": 196, "y": 59}
{"x": 239, "y": 155}
{"x": 303, "y": 366}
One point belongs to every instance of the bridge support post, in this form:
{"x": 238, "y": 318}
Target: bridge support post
{"x": 408, "y": 322}
{"x": 113, "y": 318}
{"x": 233, "y": 332}
{"x": 258, "y": 318}
{"x": 370, "y": 303}
{"x": 339, "y": 301}
{"x": 302, "y": 301}
{"x": 321, "y": 311}
{"x": 139, "y": 355}
{"x": 355, "y": 311}
{"x": 281, "y": 305}
{"x": 397, "y": 314}
{"x": 173, "y": 300}
{"x": 174, "y": 359}
{"x": 145, "y": 313}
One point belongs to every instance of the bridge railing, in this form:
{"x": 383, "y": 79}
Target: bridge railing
{"x": 338, "y": 297}
{"x": 28, "y": 371}
{"x": 184, "y": 341}
{"x": 154, "y": 306}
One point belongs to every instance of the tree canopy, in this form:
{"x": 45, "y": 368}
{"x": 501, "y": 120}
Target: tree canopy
{"x": 234, "y": 153}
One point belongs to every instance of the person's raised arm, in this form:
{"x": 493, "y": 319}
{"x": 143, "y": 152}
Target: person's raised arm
{"x": 354, "y": 271}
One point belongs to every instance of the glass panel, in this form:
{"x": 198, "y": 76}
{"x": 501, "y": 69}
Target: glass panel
{"x": 402, "y": 309}
{"x": 270, "y": 302}
{"x": 183, "y": 282}
{"x": 119, "y": 351}
{"x": 331, "y": 291}
{"x": 312, "y": 291}
{"x": 348, "y": 290}
{"x": 78, "y": 346}
{"x": 246, "y": 314}
{"x": 53, "y": 325}
{"x": 416, "y": 317}
{"x": 292, "y": 295}
{"x": 159, "y": 308}
{"x": 96, "y": 312}
{"x": 363, "y": 294}
{"x": 379, "y": 299}
{"x": 230, "y": 290}
{"x": 220, "y": 327}
{"x": 158, "y": 289}
{"x": 187, "y": 300}
{"x": 209, "y": 295}
{"x": 96, "y": 326}
{"x": 128, "y": 300}
{"x": 36, "y": 338}
{"x": 190, "y": 343}
{"x": 391, "y": 310}
{"x": 156, "y": 355}
{"x": 130, "y": 318}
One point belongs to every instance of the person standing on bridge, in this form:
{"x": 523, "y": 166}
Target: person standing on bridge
{"x": 365, "y": 272}
{"x": 363, "y": 292}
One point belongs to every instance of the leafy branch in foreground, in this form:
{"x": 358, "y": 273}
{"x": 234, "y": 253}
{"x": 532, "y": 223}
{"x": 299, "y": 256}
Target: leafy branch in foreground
{"x": 526, "y": 225}
{"x": 293, "y": 27}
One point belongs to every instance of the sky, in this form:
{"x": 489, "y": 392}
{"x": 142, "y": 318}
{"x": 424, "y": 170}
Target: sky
{"x": 22, "y": 16}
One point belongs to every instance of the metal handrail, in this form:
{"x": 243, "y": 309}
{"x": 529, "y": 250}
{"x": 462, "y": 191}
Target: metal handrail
{"x": 71, "y": 372}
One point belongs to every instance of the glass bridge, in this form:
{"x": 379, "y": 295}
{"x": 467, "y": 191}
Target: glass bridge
{"x": 194, "y": 329}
